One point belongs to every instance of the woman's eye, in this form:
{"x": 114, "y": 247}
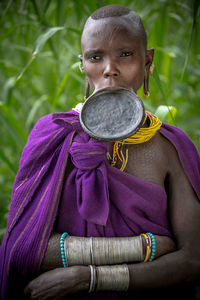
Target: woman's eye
{"x": 94, "y": 58}
{"x": 125, "y": 54}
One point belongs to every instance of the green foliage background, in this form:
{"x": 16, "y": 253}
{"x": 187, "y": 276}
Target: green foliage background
{"x": 39, "y": 47}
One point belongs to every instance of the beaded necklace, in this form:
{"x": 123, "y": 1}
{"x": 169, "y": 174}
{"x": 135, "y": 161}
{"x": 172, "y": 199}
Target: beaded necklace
{"x": 141, "y": 136}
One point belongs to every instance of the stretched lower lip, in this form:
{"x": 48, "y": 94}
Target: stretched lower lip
{"x": 111, "y": 88}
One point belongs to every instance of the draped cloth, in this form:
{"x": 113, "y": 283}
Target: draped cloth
{"x": 95, "y": 199}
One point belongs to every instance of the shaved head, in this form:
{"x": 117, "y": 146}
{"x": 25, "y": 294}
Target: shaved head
{"x": 110, "y": 11}
{"x": 114, "y": 47}
{"x": 122, "y": 15}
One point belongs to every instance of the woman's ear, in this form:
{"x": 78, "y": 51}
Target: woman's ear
{"x": 148, "y": 69}
{"x": 87, "y": 92}
{"x": 81, "y": 58}
{"x": 149, "y": 58}
{"x": 81, "y": 64}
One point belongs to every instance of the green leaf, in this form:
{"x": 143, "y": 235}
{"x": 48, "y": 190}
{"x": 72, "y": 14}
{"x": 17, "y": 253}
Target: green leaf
{"x": 9, "y": 84}
{"x": 34, "y": 110}
{"x": 158, "y": 82}
{"x": 70, "y": 48}
{"x": 13, "y": 125}
{"x": 166, "y": 113}
{"x": 76, "y": 65}
{"x": 61, "y": 88}
{"x": 41, "y": 40}
{"x": 196, "y": 6}
{"x": 6, "y": 160}
{"x": 78, "y": 31}
{"x": 65, "y": 80}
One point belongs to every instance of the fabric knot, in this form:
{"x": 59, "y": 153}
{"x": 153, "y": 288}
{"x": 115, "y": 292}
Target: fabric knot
{"x": 87, "y": 156}
{"x": 90, "y": 178}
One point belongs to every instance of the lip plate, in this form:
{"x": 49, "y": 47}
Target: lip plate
{"x": 112, "y": 114}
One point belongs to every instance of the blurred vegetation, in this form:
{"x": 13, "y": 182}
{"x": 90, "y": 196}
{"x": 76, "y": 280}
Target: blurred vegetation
{"x": 39, "y": 47}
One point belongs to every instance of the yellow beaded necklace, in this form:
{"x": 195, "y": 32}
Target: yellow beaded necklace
{"x": 141, "y": 136}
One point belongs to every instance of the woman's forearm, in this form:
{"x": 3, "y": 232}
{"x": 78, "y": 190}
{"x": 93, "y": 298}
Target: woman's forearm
{"x": 171, "y": 269}
{"x": 101, "y": 251}
{"x": 52, "y": 258}
{"x": 97, "y": 251}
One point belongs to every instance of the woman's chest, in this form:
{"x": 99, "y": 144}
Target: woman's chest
{"x": 145, "y": 161}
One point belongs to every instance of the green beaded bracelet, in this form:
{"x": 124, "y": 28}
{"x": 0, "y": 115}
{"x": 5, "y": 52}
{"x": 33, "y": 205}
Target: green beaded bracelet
{"x": 63, "y": 257}
{"x": 153, "y": 246}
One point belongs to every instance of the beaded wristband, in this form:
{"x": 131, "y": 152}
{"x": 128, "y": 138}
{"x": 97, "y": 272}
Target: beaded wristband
{"x": 148, "y": 247}
{"x": 62, "y": 239}
{"x": 153, "y": 246}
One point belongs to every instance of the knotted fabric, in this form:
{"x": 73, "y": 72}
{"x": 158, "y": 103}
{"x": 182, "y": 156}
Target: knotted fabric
{"x": 89, "y": 178}
{"x": 88, "y": 155}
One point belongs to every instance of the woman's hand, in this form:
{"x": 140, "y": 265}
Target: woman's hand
{"x": 59, "y": 283}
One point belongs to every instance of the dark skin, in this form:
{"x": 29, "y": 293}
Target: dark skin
{"x": 113, "y": 55}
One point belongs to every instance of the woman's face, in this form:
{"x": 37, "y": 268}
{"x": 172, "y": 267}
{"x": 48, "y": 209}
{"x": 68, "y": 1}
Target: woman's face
{"x": 113, "y": 55}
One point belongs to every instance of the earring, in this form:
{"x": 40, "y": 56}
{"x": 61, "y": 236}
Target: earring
{"x": 146, "y": 83}
{"x": 152, "y": 66}
{"x": 149, "y": 69}
{"x": 147, "y": 95}
{"x": 87, "y": 92}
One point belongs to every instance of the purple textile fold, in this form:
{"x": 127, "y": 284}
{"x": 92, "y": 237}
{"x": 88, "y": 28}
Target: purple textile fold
{"x": 90, "y": 179}
{"x": 187, "y": 152}
{"x": 95, "y": 199}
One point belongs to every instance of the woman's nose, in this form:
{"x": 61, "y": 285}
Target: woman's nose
{"x": 111, "y": 69}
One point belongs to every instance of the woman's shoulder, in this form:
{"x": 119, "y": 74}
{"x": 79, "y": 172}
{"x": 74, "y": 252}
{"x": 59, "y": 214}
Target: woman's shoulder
{"x": 52, "y": 122}
{"x": 50, "y": 118}
{"x": 178, "y": 139}
{"x": 179, "y": 149}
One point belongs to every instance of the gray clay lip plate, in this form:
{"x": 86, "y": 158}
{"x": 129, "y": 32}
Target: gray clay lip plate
{"x": 112, "y": 115}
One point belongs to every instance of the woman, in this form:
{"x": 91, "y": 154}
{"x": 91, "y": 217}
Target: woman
{"x": 66, "y": 184}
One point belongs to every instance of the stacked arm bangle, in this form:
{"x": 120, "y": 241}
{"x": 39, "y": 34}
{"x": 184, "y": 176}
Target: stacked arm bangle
{"x": 103, "y": 251}
{"x": 113, "y": 278}
{"x": 99, "y": 251}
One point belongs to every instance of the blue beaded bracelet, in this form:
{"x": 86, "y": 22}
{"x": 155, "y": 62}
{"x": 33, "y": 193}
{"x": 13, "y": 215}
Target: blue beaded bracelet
{"x": 63, "y": 257}
{"x": 153, "y": 246}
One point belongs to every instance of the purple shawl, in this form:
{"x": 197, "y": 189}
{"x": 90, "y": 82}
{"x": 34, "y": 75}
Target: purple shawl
{"x": 95, "y": 199}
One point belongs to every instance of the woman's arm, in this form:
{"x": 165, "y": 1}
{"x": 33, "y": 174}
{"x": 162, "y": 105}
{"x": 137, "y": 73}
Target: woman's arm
{"x": 62, "y": 282}
{"x": 183, "y": 265}
{"x": 126, "y": 246}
